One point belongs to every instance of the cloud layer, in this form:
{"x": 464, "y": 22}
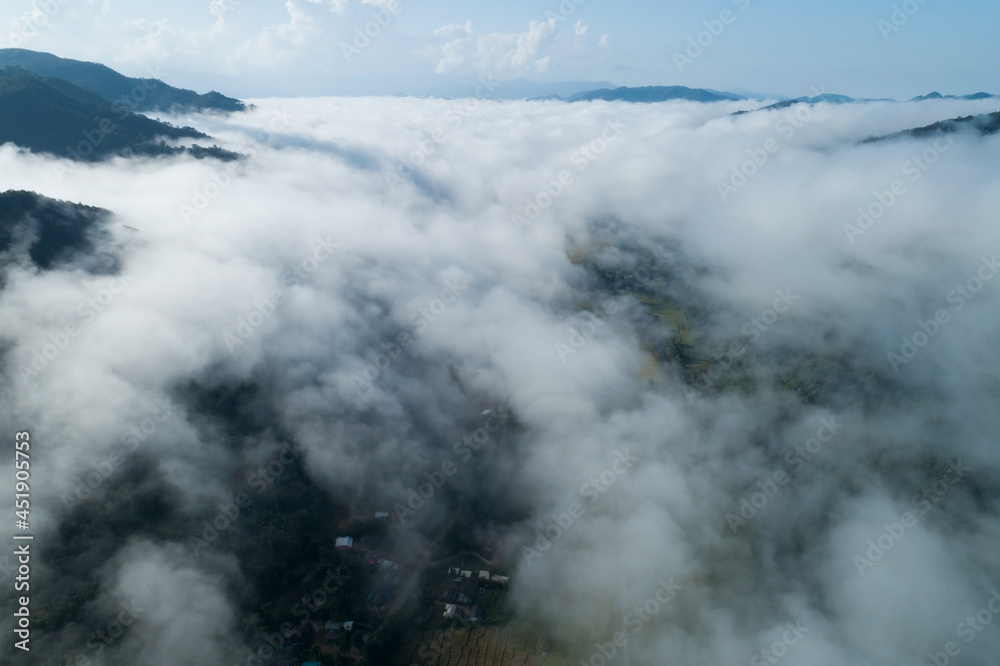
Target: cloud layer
{"x": 690, "y": 316}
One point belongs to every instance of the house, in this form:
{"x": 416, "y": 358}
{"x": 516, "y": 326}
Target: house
{"x": 450, "y": 611}
{"x": 291, "y": 640}
{"x": 454, "y": 571}
{"x": 466, "y": 574}
{"x": 484, "y": 575}
{"x": 381, "y": 515}
{"x": 332, "y": 629}
{"x": 345, "y": 542}
{"x": 499, "y": 579}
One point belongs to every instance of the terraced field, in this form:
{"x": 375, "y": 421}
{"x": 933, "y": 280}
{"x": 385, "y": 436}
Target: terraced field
{"x": 485, "y": 646}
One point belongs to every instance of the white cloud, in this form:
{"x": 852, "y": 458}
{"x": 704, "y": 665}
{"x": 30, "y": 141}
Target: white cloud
{"x": 580, "y": 28}
{"x": 603, "y": 42}
{"x": 341, "y": 6}
{"x": 161, "y": 39}
{"x": 455, "y": 38}
{"x": 517, "y": 52}
{"x": 276, "y": 44}
{"x": 104, "y": 6}
{"x": 157, "y": 41}
{"x": 336, "y": 6}
{"x": 652, "y": 189}
{"x": 496, "y": 52}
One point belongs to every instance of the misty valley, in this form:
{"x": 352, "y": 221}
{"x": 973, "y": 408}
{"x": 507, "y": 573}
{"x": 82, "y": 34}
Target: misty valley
{"x": 649, "y": 375}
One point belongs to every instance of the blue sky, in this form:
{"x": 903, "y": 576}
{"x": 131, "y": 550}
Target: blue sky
{"x": 306, "y": 47}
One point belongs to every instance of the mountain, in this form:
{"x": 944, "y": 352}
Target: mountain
{"x": 985, "y": 124}
{"x": 134, "y": 94}
{"x": 648, "y": 94}
{"x": 828, "y": 98}
{"x": 525, "y": 89}
{"x": 456, "y": 87}
{"x": 937, "y": 95}
{"x": 51, "y": 234}
{"x": 55, "y": 116}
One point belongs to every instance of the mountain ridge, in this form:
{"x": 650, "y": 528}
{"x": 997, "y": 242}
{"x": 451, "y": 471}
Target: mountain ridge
{"x": 56, "y": 117}
{"x": 136, "y": 94}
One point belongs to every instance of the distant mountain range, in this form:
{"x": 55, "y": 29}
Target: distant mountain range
{"x": 650, "y": 94}
{"x": 51, "y": 115}
{"x": 115, "y": 88}
{"x": 937, "y": 95}
{"x": 985, "y": 124}
{"x": 844, "y": 99}
{"x": 827, "y": 98}
{"x": 456, "y": 87}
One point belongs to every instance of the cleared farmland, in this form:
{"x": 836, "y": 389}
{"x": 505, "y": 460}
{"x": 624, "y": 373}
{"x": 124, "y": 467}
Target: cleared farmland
{"x": 482, "y": 646}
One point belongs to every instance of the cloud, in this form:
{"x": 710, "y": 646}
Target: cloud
{"x": 105, "y": 5}
{"x": 517, "y": 52}
{"x": 276, "y": 44}
{"x": 664, "y": 352}
{"x": 336, "y": 6}
{"x": 455, "y": 38}
{"x": 496, "y": 52}
{"x": 580, "y": 29}
{"x": 162, "y": 40}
